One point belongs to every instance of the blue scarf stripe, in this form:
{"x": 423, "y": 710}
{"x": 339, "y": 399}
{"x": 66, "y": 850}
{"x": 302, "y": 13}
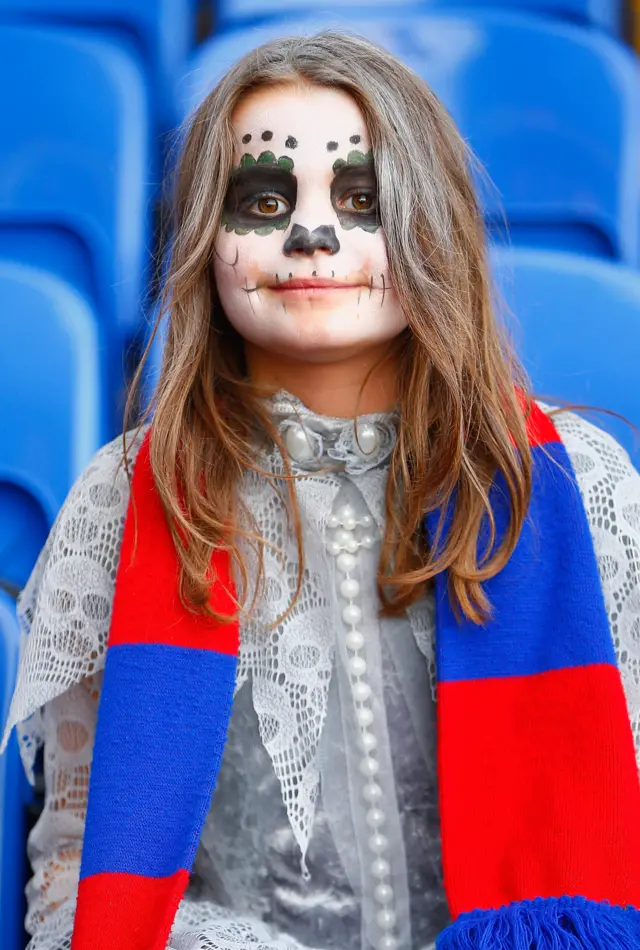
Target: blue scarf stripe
{"x": 548, "y": 607}
{"x": 155, "y": 708}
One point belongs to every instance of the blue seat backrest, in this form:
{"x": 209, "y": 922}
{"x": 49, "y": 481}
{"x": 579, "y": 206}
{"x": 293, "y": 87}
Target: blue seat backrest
{"x": 74, "y": 164}
{"x": 14, "y": 793}
{"x": 53, "y": 406}
{"x": 606, "y": 14}
{"x": 552, "y": 111}
{"x": 576, "y": 323}
{"x": 162, "y": 30}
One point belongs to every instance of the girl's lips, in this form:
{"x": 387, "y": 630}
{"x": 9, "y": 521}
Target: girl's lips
{"x": 311, "y": 283}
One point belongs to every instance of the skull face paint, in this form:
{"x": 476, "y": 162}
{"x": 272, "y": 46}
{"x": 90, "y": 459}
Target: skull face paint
{"x": 300, "y": 260}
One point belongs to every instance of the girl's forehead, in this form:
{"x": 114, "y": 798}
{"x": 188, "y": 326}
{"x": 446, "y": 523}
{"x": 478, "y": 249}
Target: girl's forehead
{"x": 305, "y": 122}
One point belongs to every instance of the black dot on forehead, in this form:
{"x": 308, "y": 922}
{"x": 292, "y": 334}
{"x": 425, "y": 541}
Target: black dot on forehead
{"x": 267, "y": 136}
{"x": 246, "y": 138}
{"x": 354, "y": 139}
{"x": 291, "y": 142}
{"x": 332, "y": 146}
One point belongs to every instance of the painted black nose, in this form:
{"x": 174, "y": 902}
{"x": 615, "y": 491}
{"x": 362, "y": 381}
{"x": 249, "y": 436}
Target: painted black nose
{"x": 323, "y": 238}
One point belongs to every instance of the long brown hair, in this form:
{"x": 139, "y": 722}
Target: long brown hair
{"x": 461, "y": 421}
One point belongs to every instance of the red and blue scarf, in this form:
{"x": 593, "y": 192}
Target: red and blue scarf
{"x": 539, "y": 790}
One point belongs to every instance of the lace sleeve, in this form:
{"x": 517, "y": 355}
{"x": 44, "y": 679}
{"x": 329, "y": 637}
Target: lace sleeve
{"x": 203, "y": 925}
{"x": 65, "y": 608}
{"x": 610, "y": 489}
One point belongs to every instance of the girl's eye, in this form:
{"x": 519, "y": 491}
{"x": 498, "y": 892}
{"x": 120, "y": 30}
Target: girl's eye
{"x": 269, "y": 206}
{"x": 362, "y": 202}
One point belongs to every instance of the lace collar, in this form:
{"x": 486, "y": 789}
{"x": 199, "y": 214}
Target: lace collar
{"x": 314, "y": 441}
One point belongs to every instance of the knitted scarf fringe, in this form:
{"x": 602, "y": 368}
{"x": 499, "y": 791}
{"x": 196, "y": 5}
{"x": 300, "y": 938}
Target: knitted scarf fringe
{"x": 564, "y": 923}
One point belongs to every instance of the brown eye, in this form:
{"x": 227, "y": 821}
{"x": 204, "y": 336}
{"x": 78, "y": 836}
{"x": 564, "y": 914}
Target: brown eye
{"x": 362, "y": 202}
{"x": 269, "y": 206}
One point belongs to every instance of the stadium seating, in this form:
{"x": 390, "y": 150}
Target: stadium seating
{"x": 162, "y": 32}
{"x": 14, "y": 793}
{"x": 74, "y": 165}
{"x": 562, "y": 151}
{"x": 52, "y": 395}
{"x": 606, "y": 14}
{"x": 577, "y": 328}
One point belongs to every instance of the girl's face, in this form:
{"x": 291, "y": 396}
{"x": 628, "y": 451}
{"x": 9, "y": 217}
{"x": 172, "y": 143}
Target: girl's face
{"x": 300, "y": 260}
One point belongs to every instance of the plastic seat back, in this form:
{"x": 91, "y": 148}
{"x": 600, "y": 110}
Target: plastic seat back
{"x": 576, "y": 325}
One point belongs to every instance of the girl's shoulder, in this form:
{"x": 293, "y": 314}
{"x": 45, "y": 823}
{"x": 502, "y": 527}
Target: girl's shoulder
{"x": 65, "y": 607}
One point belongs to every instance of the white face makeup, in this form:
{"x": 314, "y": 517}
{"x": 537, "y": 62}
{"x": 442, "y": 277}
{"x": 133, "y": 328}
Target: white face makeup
{"x": 300, "y": 260}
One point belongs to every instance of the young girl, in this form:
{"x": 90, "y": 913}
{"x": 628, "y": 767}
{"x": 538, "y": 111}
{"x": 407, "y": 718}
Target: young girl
{"x": 345, "y": 496}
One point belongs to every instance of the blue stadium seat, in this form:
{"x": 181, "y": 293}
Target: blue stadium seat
{"x": 552, "y": 110}
{"x": 15, "y": 793}
{"x": 576, "y": 323}
{"x": 606, "y": 14}
{"x": 74, "y": 165}
{"x": 161, "y": 30}
{"x": 52, "y": 400}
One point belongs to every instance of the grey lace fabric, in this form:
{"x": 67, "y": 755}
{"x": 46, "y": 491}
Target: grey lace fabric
{"x": 284, "y": 859}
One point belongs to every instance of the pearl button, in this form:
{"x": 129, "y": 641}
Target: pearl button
{"x": 375, "y": 817}
{"x": 372, "y": 792}
{"x": 378, "y": 843}
{"x": 298, "y": 444}
{"x": 357, "y": 666}
{"x": 349, "y": 524}
{"x": 386, "y": 919}
{"x": 346, "y": 512}
{"x": 354, "y": 640}
{"x": 383, "y": 893}
{"x": 351, "y": 614}
{"x": 380, "y": 868}
{"x": 388, "y": 942}
{"x": 334, "y": 548}
{"x": 342, "y": 536}
{"x": 368, "y": 439}
{"x": 367, "y": 541}
{"x": 346, "y": 562}
{"x": 361, "y": 692}
{"x": 369, "y": 741}
{"x": 369, "y": 767}
{"x": 366, "y": 521}
{"x": 364, "y": 716}
{"x": 333, "y": 522}
{"x": 351, "y": 545}
{"x": 349, "y": 588}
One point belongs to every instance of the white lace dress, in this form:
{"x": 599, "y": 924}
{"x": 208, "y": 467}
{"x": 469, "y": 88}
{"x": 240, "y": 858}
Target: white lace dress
{"x": 324, "y": 829}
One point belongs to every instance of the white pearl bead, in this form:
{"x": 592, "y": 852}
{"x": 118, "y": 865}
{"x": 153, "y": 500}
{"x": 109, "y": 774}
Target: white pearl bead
{"x": 369, "y": 741}
{"x": 364, "y": 716}
{"x": 383, "y": 893}
{"x": 351, "y": 545}
{"x": 349, "y": 524}
{"x": 357, "y": 666}
{"x": 334, "y": 548}
{"x": 375, "y": 817}
{"x": 333, "y": 522}
{"x": 378, "y": 843}
{"x": 298, "y": 444}
{"x": 345, "y": 512}
{"x": 368, "y": 439}
{"x": 361, "y": 692}
{"x": 372, "y": 792}
{"x": 388, "y": 942}
{"x": 367, "y": 541}
{"x": 369, "y": 767}
{"x": 349, "y": 588}
{"x": 346, "y": 562}
{"x": 351, "y": 614}
{"x": 380, "y": 868}
{"x": 342, "y": 536}
{"x": 354, "y": 640}
{"x": 386, "y": 919}
{"x": 366, "y": 521}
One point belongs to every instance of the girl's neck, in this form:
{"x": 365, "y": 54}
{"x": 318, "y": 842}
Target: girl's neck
{"x": 360, "y": 383}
